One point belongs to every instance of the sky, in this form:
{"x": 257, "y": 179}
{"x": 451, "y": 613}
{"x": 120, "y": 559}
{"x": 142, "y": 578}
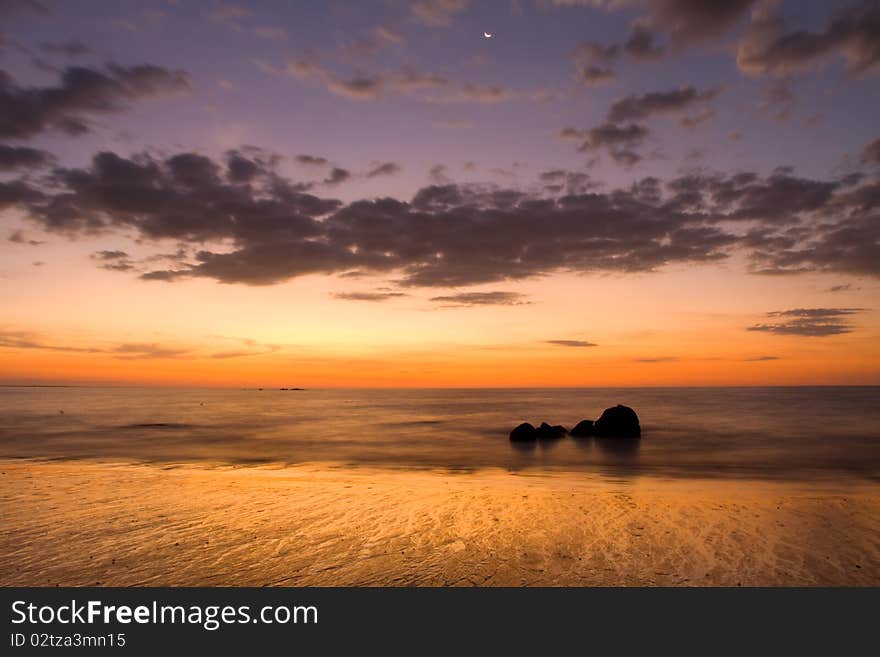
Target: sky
{"x": 442, "y": 193}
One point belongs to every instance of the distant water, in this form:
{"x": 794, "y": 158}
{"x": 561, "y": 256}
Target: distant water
{"x": 789, "y": 433}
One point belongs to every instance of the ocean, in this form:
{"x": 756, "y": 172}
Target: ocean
{"x": 803, "y": 433}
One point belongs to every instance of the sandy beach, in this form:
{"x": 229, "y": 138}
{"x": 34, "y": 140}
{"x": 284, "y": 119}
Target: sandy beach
{"x": 113, "y": 524}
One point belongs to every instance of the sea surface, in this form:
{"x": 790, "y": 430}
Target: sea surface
{"x": 803, "y": 433}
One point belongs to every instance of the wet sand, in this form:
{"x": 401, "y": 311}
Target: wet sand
{"x": 82, "y": 523}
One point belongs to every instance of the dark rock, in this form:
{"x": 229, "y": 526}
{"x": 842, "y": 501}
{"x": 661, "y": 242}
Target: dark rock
{"x": 583, "y": 429}
{"x": 547, "y": 432}
{"x": 618, "y": 422}
{"x": 524, "y": 432}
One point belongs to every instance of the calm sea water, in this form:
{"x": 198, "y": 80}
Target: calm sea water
{"x": 803, "y": 433}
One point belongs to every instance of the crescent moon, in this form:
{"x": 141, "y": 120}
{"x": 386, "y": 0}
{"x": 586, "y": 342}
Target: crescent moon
{"x": 487, "y": 35}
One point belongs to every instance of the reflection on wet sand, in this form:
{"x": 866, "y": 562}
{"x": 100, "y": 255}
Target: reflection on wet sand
{"x": 89, "y": 523}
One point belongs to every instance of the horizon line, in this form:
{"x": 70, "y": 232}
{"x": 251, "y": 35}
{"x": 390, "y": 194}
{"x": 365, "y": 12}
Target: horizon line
{"x": 275, "y": 388}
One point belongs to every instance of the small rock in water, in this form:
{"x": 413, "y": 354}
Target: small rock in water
{"x": 547, "y": 432}
{"x": 583, "y": 429}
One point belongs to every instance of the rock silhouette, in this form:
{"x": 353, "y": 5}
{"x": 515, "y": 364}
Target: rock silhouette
{"x": 523, "y": 433}
{"x": 547, "y": 432}
{"x": 582, "y": 429}
{"x": 615, "y": 422}
{"x": 527, "y": 432}
{"x": 618, "y": 422}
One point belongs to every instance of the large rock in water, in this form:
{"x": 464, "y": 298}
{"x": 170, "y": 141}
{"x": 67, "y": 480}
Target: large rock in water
{"x": 618, "y": 422}
{"x": 546, "y": 432}
{"x": 524, "y": 432}
{"x": 583, "y": 429}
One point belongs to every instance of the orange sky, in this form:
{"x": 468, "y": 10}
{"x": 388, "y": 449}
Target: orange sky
{"x": 682, "y": 326}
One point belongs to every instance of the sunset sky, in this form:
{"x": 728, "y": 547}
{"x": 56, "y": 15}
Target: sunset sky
{"x": 320, "y": 193}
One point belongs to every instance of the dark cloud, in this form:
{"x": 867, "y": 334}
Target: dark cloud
{"x": 844, "y": 287}
{"x": 364, "y": 86}
{"x": 269, "y": 229}
{"x": 607, "y": 135}
{"x": 66, "y": 48}
{"x": 126, "y": 351}
{"x": 337, "y": 176}
{"x": 625, "y": 157}
{"x": 22, "y": 157}
{"x": 369, "y": 296}
{"x": 109, "y": 255}
{"x": 592, "y": 74}
{"x": 437, "y": 174}
{"x": 642, "y": 43}
{"x": 166, "y": 275}
{"x": 683, "y": 22}
{"x": 689, "y": 21}
{"x": 618, "y": 140}
{"x": 657, "y": 359}
{"x": 185, "y": 197}
{"x": 18, "y": 237}
{"x": 761, "y": 359}
{"x": 779, "y": 198}
{"x": 770, "y": 48}
{"x": 311, "y": 160}
{"x": 594, "y": 61}
{"x": 572, "y": 343}
{"x": 481, "y": 299}
{"x": 80, "y": 93}
{"x": 385, "y": 169}
{"x": 137, "y": 351}
{"x": 243, "y": 167}
{"x": 848, "y": 242}
{"x": 809, "y": 322}
{"x": 18, "y": 192}
{"x": 28, "y": 340}
{"x": 558, "y": 181}
{"x": 640, "y": 107}
{"x": 117, "y": 265}
{"x": 359, "y": 87}
{"x": 113, "y": 260}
